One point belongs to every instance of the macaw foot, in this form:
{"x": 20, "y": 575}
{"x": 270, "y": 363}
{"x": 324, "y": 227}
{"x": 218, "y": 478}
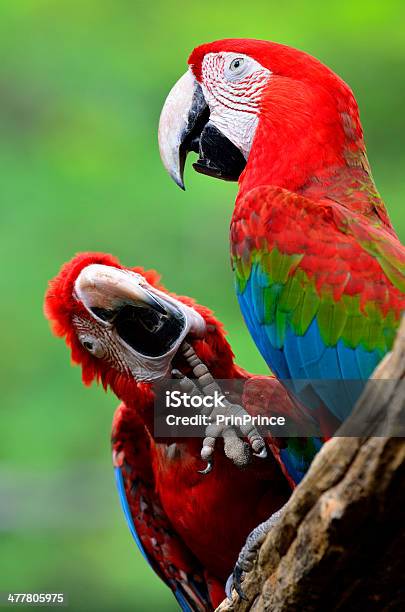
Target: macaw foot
{"x": 235, "y": 448}
{"x": 248, "y": 554}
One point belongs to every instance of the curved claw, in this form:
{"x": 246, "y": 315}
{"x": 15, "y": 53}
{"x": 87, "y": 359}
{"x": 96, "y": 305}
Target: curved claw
{"x": 237, "y": 581}
{"x": 234, "y": 582}
{"x": 262, "y": 454}
{"x": 207, "y": 469}
{"x": 229, "y": 587}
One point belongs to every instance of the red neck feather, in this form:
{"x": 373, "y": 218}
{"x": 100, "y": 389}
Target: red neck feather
{"x": 306, "y": 135}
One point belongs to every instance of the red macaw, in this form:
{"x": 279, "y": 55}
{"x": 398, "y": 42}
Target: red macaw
{"x": 319, "y": 270}
{"x": 126, "y": 331}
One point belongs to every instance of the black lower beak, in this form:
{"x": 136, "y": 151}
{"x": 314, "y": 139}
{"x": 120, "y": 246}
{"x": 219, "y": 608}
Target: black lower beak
{"x": 217, "y": 155}
{"x": 198, "y": 117}
{"x": 147, "y": 331}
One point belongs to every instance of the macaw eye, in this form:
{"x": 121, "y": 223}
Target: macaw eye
{"x": 239, "y": 67}
{"x": 92, "y": 345}
{"x": 236, "y": 64}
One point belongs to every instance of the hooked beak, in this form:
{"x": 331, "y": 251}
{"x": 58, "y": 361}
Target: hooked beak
{"x": 150, "y": 322}
{"x": 185, "y": 126}
{"x": 104, "y": 288}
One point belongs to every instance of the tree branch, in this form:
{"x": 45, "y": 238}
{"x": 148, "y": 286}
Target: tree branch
{"x": 340, "y": 544}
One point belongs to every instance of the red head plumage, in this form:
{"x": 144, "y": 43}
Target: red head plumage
{"x": 293, "y": 119}
{"x": 280, "y": 59}
{"x": 61, "y": 306}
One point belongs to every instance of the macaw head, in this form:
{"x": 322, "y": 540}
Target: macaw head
{"x": 243, "y": 101}
{"x": 123, "y": 327}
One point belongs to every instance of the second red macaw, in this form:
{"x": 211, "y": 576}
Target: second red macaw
{"x": 126, "y": 330}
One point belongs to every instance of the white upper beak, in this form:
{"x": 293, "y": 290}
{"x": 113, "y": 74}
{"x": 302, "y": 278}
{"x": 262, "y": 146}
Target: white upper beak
{"x": 174, "y": 124}
{"x": 107, "y": 287}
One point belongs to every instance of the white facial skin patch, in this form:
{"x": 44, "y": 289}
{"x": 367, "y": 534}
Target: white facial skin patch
{"x": 232, "y": 85}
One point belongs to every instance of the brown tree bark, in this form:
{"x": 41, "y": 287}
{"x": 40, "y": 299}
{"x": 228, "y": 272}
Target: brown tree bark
{"x": 340, "y": 544}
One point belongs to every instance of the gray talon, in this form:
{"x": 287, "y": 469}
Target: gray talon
{"x": 207, "y": 469}
{"x": 229, "y": 587}
{"x": 237, "y": 581}
{"x": 235, "y": 448}
{"x": 248, "y": 554}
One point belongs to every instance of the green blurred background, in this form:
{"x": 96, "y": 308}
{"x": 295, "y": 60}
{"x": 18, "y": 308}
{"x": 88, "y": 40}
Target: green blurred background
{"x": 81, "y": 87}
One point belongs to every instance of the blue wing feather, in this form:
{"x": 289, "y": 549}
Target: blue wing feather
{"x": 119, "y": 479}
{"x": 331, "y": 369}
